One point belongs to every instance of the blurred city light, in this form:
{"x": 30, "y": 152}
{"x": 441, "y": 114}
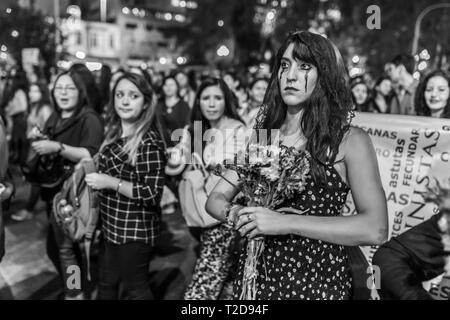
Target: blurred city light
{"x": 74, "y": 10}
{"x": 8, "y": 10}
{"x": 416, "y": 75}
{"x": 80, "y": 55}
{"x": 15, "y": 33}
{"x": 283, "y": 3}
{"x": 422, "y": 66}
{"x": 424, "y": 54}
{"x": 270, "y": 16}
{"x": 180, "y": 18}
{"x": 223, "y": 51}
{"x": 334, "y": 14}
{"x": 267, "y": 55}
{"x": 94, "y": 66}
{"x": 181, "y": 60}
{"x": 63, "y": 64}
{"x": 135, "y": 11}
{"x": 144, "y": 66}
{"x": 416, "y": 57}
{"x": 168, "y": 16}
{"x": 142, "y": 13}
{"x": 3, "y": 55}
{"x": 4, "y": 48}
{"x": 355, "y": 59}
{"x": 220, "y": 23}
{"x": 163, "y": 60}
{"x": 355, "y": 72}
{"x": 125, "y": 10}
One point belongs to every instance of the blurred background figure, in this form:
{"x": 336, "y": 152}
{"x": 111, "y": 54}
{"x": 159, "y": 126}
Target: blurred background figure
{"x": 432, "y": 95}
{"x": 400, "y": 70}
{"x": 40, "y": 110}
{"x": 174, "y": 111}
{"x": 15, "y": 103}
{"x": 360, "y": 94}
{"x": 382, "y": 95}
{"x": 257, "y": 90}
{"x": 186, "y": 91}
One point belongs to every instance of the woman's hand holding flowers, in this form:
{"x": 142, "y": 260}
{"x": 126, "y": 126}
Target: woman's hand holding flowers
{"x": 254, "y": 222}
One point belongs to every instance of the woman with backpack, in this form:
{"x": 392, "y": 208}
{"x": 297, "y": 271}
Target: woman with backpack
{"x": 73, "y": 132}
{"x": 130, "y": 181}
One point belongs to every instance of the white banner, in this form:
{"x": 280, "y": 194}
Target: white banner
{"x": 411, "y": 152}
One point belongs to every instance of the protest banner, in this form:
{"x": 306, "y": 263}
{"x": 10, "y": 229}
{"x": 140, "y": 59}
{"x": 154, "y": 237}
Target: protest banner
{"x": 411, "y": 153}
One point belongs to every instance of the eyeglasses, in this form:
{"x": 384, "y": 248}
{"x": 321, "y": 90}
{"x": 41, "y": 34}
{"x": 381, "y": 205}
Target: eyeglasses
{"x": 68, "y": 89}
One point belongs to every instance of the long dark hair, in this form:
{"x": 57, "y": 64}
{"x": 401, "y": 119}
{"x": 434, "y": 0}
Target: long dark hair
{"x": 93, "y": 95}
{"x": 419, "y": 100}
{"x": 103, "y": 85}
{"x": 148, "y": 121}
{"x": 230, "y": 104}
{"x": 328, "y": 112}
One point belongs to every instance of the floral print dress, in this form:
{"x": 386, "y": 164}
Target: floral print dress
{"x": 296, "y": 267}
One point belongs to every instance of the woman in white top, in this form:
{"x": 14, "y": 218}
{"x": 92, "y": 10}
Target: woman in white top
{"x": 221, "y": 135}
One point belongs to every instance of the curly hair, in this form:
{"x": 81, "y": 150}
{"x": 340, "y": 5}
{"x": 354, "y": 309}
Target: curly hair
{"x": 419, "y": 99}
{"x": 328, "y": 112}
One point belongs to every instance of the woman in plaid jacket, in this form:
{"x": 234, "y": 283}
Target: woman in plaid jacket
{"x": 130, "y": 181}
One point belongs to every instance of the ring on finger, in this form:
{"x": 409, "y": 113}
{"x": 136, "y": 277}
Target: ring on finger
{"x": 249, "y": 218}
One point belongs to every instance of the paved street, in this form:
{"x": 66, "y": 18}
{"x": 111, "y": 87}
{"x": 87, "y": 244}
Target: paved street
{"x": 27, "y": 273}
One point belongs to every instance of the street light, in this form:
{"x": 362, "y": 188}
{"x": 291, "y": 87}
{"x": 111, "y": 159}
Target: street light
{"x": 419, "y": 21}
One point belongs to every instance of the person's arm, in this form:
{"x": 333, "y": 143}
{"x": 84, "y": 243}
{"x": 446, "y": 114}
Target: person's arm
{"x": 90, "y": 141}
{"x": 368, "y": 227}
{"x": 406, "y": 261}
{"x": 219, "y": 201}
{"x": 68, "y": 152}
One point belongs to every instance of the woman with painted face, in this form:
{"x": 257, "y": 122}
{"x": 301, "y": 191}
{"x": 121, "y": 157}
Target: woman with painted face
{"x": 432, "y": 95}
{"x": 74, "y": 131}
{"x": 223, "y": 131}
{"x": 130, "y": 181}
{"x": 309, "y": 102}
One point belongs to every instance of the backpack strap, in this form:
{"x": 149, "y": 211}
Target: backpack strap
{"x": 89, "y": 167}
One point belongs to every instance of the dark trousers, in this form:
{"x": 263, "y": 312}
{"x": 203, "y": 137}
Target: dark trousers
{"x": 126, "y": 264}
{"x": 34, "y": 197}
{"x": 64, "y": 254}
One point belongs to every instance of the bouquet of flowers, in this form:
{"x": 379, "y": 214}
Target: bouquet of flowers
{"x": 268, "y": 176}
{"x": 440, "y": 195}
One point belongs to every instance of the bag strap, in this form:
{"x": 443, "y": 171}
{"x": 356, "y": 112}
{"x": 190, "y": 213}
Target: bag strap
{"x": 197, "y": 163}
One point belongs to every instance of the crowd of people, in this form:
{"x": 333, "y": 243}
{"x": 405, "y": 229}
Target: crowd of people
{"x": 126, "y": 121}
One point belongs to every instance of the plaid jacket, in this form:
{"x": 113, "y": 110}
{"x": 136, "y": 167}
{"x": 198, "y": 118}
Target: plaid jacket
{"x": 135, "y": 219}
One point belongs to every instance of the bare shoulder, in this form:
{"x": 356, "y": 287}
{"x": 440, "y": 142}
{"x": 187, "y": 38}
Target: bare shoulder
{"x": 356, "y": 142}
